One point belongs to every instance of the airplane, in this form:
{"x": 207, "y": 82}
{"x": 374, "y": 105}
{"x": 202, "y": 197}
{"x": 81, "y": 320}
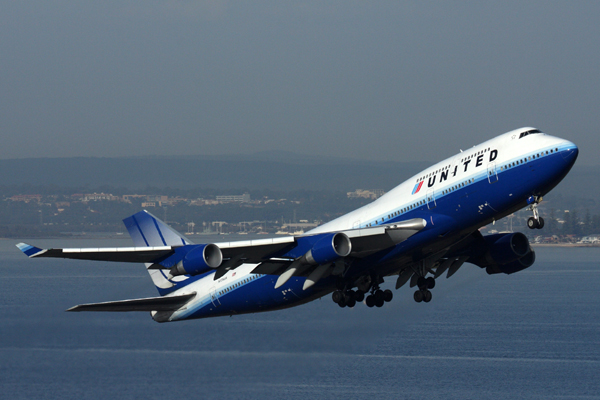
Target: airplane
{"x": 414, "y": 233}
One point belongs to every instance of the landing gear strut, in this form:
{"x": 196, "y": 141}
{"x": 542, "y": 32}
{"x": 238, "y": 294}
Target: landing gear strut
{"x": 535, "y": 222}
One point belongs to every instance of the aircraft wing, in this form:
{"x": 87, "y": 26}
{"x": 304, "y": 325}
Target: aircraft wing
{"x": 366, "y": 241}
{"x": 363, "y": 241}
{"x": 252, "y": 251}
{"x": 273, "y": 255}
{"x": 117, "y": 254}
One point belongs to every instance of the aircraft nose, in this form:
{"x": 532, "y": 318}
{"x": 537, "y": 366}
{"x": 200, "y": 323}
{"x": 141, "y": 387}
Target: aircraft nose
{"x": 570, "y": 153}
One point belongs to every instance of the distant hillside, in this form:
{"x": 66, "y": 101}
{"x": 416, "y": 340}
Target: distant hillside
{"x": 258, "y": 171}
{"x": 287, "y": 171}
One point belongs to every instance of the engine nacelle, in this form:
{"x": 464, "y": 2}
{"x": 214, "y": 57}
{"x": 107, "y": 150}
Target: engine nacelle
{"x": 512, "y": 267}
{"x": 198, "y": 260}
{"x": 508, "y": 248}
{"x": 503, "y": 253}
{"x": 328, "y": 249}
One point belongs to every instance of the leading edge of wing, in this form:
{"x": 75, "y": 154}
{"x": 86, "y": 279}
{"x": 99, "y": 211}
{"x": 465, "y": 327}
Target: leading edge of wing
{"x": 169, "y": 303}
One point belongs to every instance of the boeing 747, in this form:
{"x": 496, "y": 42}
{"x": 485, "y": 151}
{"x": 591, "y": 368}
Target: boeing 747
{"x": 425, "y": 227}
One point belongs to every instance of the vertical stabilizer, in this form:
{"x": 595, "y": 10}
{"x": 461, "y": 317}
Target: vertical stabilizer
{"x": 146, "y": 230}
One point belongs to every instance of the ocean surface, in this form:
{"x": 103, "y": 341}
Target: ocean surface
{"x": 534, "y": 335}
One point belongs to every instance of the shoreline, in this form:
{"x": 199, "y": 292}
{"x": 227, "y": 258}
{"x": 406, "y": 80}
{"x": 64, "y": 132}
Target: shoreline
{"x": 565, "y": 245}
{"x": 242, "y": 237}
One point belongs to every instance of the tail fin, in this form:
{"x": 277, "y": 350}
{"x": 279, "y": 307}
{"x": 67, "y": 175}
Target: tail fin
{"x": 146, "y": 231}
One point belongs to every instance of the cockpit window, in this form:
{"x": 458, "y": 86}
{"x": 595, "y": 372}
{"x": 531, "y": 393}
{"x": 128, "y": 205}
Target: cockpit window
{"x": 530, "y": 132}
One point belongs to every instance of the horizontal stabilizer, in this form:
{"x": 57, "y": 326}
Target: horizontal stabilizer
{"x": 169, "y": 303}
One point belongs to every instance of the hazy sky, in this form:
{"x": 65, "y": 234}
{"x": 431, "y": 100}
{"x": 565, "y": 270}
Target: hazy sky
{"x": 370, "y": 80}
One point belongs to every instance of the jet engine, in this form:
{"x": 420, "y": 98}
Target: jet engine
{"x": 328, "y": 249}
{"x": 198, "y": 260}
{"x": 508, "y": 248}
{"x": 505, "y": 253}
{"x": 512, "y": 267}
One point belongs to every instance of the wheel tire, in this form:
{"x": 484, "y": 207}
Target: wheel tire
{"x": 342, "y": 303}
{"x": 379, "y": 302}
{"x": 427, "y": 296}
{"x": 337, "y": 296}
{"x": 350, "y": 295}
{"x": 388, "y": 295}
{"x": 421, "y": 282}
{"x": 351, "y": 303}
{"x": 532, "y": 223}
{"x": 418, "y": 296}
{"x": 378, "y": 296}
{"x": 430, "y": 282}
{"x": 370, "y": 301}
{"x": 540, "y": 223}
{"x": 359, "y": 296}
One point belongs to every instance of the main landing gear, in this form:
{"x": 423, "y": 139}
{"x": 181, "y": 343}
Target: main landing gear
{"x": 378, "y": 297}
{"x": 349, "y": 298}
{"x": 535, "y": 222}
{"x": 423, "y": 294}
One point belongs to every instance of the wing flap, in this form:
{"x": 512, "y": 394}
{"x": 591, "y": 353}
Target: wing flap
{"x": 366, "y": 241}
{"x": 255, "y": 251}
{"x": 169, "y": 303}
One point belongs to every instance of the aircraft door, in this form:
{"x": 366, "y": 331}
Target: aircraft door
{"x": 214, "y": 297}
{"x": 431, "y": 199}
{"x": 492, "y": 174}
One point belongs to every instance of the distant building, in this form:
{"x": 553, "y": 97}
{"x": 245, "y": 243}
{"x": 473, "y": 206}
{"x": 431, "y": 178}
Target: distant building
{"x": 366, "y": 194}
{"x": 244, "y": 198}
{"x": 94, "y": 197}
{"x": 128, "y": 197}
{"x": 27, "y": 197}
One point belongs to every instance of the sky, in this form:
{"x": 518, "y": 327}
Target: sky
{"x": 370, "y": 80}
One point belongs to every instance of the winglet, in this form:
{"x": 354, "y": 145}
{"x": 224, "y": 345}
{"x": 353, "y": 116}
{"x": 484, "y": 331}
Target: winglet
{"x": 29, "y": 250}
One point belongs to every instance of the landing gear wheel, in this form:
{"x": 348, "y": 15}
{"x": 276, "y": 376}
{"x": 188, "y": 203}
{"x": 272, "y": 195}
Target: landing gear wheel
{"x": 350, "y": 295}
{"x": 378, "y": 296}
{"x": 350, "y": 303}
{"x": 430, "y": 282}
{"x": 388, "y": 295}
{"x": 337, "y": 296}
{"x": 342, "y": 303}
{"x": 540, "y": 223}
{"x": 370, "y": 301}
{"x": 426, "y": 296}
{"x": 379, "y": 301}
{"x": 418, "y": 296}
{"x": 532, "y": 223}
{"x": 359, "y": 296}
{"x": 422, "y": 282}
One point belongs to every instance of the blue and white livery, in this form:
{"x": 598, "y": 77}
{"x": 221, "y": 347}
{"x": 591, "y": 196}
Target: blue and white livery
{"x": 417, "y": 231}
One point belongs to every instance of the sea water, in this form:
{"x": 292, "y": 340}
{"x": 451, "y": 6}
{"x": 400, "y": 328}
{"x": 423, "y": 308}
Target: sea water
{"x": 534, "y": 334}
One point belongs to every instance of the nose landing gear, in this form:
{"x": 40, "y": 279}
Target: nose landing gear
{"x": 535, "y": 222}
